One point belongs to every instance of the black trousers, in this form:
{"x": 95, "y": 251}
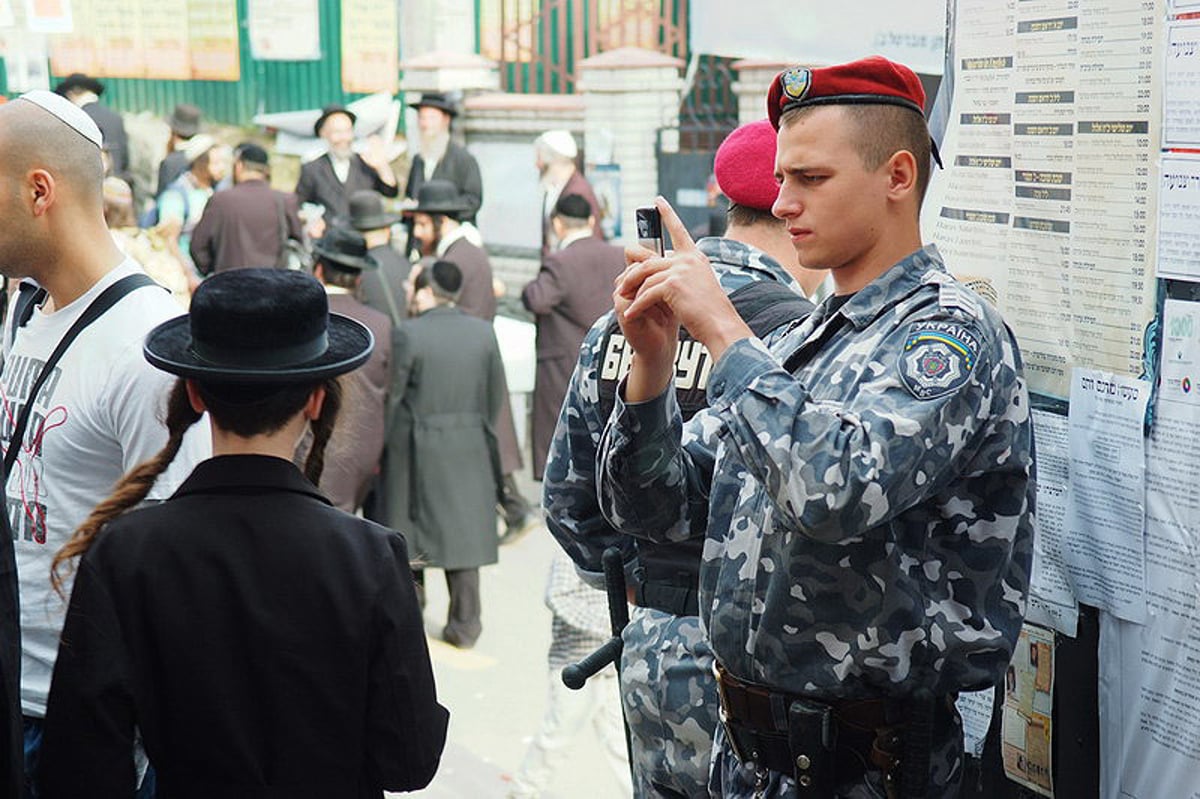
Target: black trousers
{"x": 464, "y": 620}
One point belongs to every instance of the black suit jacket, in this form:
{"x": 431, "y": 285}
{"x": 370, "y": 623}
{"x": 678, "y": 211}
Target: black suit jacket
{"x": 384, "y": 288}
{"x": 112, "y": 127}
{"x": 265, "y": 644}
{"x": 319, "y": 184}
{"x": 457, "y": 166}
{"x": 240, "y": 228}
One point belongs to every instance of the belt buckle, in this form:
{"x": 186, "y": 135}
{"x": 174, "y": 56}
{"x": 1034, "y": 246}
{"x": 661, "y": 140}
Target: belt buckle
{"x": 723, "y": 715}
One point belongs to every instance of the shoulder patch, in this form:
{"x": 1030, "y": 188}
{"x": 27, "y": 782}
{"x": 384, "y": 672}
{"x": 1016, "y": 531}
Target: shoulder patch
{"x": 938, "y": 358}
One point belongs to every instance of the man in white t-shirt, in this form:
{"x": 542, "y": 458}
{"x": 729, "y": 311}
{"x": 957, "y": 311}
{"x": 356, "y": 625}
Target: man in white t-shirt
{"x": 99, "y": 412}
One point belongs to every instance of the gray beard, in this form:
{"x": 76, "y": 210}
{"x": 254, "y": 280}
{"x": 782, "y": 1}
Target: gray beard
{"x": 433, "y": 148}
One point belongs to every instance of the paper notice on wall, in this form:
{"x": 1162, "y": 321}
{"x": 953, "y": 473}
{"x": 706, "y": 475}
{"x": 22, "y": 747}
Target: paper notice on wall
{"x": 284, "y": 30}
{"x": 1105, "y": 551}
{"x": 370, "y": 56}
{"x": 1026, "y": 733}
{"x": 1051, "y": 600}
{"x": 1181, "y": 85}
{"x": 1048, "y": 205}
{"x": 975, "y": 708}
{"x": 1179, "y": 218}
{"x": 1150, "y": 673}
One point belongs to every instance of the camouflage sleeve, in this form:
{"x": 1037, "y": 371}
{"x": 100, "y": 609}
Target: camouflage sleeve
{"x": 654, "y": 480}
{"x": 834, "y": 470}
{"x": 569, "y": 485}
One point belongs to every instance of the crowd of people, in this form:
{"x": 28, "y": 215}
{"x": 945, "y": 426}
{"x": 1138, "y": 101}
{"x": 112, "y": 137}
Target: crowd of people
{"x": 810, "y": 445}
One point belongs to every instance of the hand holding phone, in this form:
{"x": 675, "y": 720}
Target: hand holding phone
{"x": 649, "y": 229}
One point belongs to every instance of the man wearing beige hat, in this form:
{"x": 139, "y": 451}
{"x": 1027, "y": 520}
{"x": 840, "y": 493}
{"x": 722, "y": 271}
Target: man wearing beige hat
{"x": 181, "y": 205}
{"x": 555, "y": 154}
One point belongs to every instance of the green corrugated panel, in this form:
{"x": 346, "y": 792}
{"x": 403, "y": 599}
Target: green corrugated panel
{"x": 265, "y": 86}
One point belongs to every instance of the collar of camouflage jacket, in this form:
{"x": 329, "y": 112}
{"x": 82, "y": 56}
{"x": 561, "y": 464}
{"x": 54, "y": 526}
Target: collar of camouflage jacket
{"x": 906, "y": 276}
{"x": 729, "y": 252}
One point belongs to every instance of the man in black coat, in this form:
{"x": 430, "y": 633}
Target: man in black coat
{"x": 85, "y": 91}
{"x": 331, "y": 179}
{"x": 247, "y": 225}
{"x": 437, "y": 227}
{"x": 384, "y": 288}
{"x": 440, "y": 158}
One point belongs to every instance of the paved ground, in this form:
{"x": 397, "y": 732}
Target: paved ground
{"x": 495, "y": 692}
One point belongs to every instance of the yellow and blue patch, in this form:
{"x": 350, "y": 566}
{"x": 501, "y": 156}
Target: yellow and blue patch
{"x": 937, "y": 358}
{"x": 796, "y": 82}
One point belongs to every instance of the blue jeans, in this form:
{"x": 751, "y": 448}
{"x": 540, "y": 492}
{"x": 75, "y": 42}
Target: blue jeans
{"x": 33, "y": 746}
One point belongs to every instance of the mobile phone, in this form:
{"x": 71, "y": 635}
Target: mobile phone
{"x": 649, "y": 228}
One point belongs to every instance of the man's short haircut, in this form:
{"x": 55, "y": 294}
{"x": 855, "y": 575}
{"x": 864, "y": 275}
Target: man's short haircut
{"x": 333, "y": 274}
{"x": 444, "y": 278}
{"x": 745, "y": 216}
{"x": 878, "y": 132}
{"x": 573, "y": 210}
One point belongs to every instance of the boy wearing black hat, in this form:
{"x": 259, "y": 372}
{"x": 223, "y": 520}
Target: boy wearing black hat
{"x": 444, "y": 483}
{"x": 440, "y": 158}
{"x": 869, "y": 512}
{"x": 249, "y": 224}
{"x": 330, "y": 179}
{"x": 341, "y": 260}
{"x": 263, "y": 643}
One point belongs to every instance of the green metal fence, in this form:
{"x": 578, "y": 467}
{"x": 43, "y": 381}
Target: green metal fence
{"x": 265, "y": 86}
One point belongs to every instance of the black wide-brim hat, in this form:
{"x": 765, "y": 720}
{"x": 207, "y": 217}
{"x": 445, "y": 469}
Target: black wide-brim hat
{"x": 78, "y": 80}
{"x": 436, "y": 100}
{"x": 344, "y": 248}
{"x": 366, "y": 211}
{"x": 439, "y": 197}
{"x": 259, "y": 326}
{"x": 329, "y": 111}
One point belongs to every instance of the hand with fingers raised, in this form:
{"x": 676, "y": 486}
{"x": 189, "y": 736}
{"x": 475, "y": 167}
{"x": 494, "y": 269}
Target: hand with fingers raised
{"x": 656, "y": 294}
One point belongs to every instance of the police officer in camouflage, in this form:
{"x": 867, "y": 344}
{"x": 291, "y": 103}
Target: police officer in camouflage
{"x": 868, "y": 504}
{"x": 668, "y": 686}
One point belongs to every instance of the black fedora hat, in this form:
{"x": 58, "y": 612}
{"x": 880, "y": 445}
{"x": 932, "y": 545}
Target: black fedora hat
{"x": 436, "y": 100}
{"x": 260, "y": 326}
{"x": 77, "y": 80}
{"x": 329, "y": 111}
{"x": 185, "y": 120}
{"x": 366, "y": 211}
{"x": 345, "y": 249}
{"x": 439, "y": 197}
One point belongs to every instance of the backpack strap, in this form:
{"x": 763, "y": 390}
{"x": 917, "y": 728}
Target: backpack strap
{"x": 107, "y": 299}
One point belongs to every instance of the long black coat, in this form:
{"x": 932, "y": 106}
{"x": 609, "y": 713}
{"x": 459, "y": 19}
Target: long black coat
{"x": 265, "y": 644}
{"x": 319, "y": 184}
{"x": 571, "y": 291}
{"x": 457, "y": 166}
{"x": 443, "y": 471}
{"x": 478, "y": 299}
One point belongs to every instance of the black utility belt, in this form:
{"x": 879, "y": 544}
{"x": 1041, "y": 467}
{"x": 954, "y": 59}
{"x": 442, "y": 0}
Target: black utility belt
{"x": 821, "y": 745}
{"x": 669, "y": 598}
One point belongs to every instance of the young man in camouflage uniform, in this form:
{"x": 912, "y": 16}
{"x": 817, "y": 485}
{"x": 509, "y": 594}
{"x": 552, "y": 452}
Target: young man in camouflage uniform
{"x": 865, "y": 486}
{"x": 668, "y": 687}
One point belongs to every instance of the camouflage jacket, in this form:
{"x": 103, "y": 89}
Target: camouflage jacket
{"x": 868, "y": 511}
{"x": 569, "y": 485}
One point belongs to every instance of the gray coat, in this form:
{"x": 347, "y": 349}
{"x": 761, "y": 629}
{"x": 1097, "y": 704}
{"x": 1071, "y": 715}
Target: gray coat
{"x": 444, "y": 472}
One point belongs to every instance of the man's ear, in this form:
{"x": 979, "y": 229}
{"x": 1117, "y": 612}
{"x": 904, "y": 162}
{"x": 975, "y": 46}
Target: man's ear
{"x": 902, "y": 174}
{"x": 312, "y": 408}
{"x": 194, "y": 396}
{"x": 43, "y": 190}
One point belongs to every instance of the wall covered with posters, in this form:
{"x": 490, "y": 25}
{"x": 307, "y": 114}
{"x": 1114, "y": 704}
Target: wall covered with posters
{"x": 234, "y": 58}
{"x": 1071, "y": 199}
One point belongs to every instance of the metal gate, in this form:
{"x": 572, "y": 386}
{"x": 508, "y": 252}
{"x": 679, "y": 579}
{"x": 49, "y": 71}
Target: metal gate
{"x": 539, "y": 43}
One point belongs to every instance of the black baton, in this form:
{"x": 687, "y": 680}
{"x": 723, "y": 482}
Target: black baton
{"x": 575, "y": 675}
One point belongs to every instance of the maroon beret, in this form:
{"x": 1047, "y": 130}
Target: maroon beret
{"x": 868, "y": 81}
{"x": 745, "y": 166}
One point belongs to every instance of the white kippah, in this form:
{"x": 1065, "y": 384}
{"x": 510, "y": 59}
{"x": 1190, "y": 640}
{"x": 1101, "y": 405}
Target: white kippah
{"x": 66, "y": 111}
{"x": 559, "y": 141}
